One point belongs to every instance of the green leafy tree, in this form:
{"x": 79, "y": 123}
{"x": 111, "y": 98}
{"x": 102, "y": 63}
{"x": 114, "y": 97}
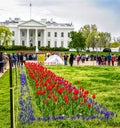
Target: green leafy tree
{"x": 104, "y": 39}
{"x": 89, "y": 31}
{"x": 116, "y": 39}
{"x": 77, "y": 41}
{"x": 5, "y": 35}
{"x": 115, "y": 44}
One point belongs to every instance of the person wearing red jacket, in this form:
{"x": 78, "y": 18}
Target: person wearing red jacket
{"x": 113, "y": 59}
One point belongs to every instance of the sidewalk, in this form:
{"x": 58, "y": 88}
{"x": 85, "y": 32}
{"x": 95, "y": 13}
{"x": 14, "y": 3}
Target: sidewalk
{"x": 2, "y": 73}
{"x": 7, "y": 67}
{"x": 87, "y": 63}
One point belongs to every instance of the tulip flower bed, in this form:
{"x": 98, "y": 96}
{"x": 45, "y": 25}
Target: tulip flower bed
{"x": 58, "y": 99}
{"x": 26, "y": 110}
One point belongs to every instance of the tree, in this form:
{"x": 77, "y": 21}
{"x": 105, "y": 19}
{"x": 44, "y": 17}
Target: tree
{"x": 115, "y": 44}
{"x": 94, "y": 38}
{"x": 5, "y": 35}
{"x": 89, "y": 31}
{"x": 77, "y": 41}
{"x": 116, "y": 39}
{"x": 105, "y": 39}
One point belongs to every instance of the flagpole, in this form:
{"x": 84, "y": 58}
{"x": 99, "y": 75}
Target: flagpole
{"x": 30, "y": 10}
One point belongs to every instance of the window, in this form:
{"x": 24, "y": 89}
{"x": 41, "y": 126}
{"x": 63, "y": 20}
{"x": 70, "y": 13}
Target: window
{"x": 62, "y": 34}
{"x": 48, "y": 43}
{"x": 62, "y": 43}
{"x": 31, "y": 33}
{"x": 55, "y": 34}
{"x": 39, "y": 34}
{"x": 68, "y": 34}
{"x": 23, "y": 33}
{"x": 13, "y": 33}
{"x": 55, "y": 44}
{"x": 39, "y": 43}
{"x": 48, "y": 34}
{"x": 23, "y": 43}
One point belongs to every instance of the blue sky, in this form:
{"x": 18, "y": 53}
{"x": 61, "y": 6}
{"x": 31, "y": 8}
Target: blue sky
{"x": 104, "y": 13}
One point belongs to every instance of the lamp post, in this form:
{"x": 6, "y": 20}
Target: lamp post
{"x": 36, "y": 49}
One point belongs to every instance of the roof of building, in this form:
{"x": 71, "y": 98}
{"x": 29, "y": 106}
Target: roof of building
{"x": 44, "y": 21}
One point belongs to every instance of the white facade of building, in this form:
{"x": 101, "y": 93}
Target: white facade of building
{"x": 39, "y": 33}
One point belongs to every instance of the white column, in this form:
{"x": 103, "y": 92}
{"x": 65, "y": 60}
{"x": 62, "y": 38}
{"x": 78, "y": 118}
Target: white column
{"x": 27, "y": 38}
{"x": 36, "y": 40}
{"x": 44, "y": 38}
{"x": 18, "y": 41}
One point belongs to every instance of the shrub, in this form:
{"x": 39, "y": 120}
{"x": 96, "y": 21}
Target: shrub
{"x": 88, "y": 50}
{"x": 53, "y": 49}
{"x": 31, "y": 48}
{"x": 106, "y": 50}
{"x": 2, "y": 48}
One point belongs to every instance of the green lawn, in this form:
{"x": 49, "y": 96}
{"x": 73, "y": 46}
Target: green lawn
{"x": 102, "y": 81}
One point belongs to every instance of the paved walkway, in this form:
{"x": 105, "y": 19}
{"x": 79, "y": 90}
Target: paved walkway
{"x": 7, "y": 67}
{"x": 87, "y": 63}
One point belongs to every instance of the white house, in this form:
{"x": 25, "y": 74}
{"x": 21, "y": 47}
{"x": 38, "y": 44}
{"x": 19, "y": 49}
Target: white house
{"x": 39, "y": 33}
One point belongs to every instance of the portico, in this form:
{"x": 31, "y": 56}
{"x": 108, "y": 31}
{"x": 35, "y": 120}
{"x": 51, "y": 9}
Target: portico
{"x": 32, "y": 34}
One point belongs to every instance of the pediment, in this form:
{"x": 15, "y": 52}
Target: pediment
{"x": 32, "y": 23}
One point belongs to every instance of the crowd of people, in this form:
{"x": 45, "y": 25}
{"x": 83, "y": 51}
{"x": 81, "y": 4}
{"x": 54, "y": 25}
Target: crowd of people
{"x": 109, "y": 59}
{"x": 16, "y": 59}
{"x": 19, "y": 58}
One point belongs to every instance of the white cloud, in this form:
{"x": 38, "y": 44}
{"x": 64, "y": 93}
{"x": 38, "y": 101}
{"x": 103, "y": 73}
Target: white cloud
{"x": 79, "y": 12}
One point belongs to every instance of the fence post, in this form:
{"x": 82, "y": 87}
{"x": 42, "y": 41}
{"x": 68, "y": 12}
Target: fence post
{"x": 11, "y": 92}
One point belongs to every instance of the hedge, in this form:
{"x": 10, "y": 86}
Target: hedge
{"x": 16, "y": 47}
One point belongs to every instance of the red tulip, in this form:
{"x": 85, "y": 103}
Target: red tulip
{"x": 49, "y": 96}
{"x": 81, "y": 95}
{"x": 81, "y": 103}
{"x": 66, "y": 98}
{"x": 45, "y": 101}
{"x": 89, "y": 105}
{"x": 39, "y": 92}
{"x": 82, "y": 89}
{"x": 93, "y": 96}
{"x": 86, "y": 92}
{"x": 85, "y": 100}
{"x": 76, "y": 92}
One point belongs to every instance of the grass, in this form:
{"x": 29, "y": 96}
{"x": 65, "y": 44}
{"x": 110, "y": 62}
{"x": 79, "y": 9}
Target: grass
{"x": 4, "y": 101}
{"x": 102, "y": 81}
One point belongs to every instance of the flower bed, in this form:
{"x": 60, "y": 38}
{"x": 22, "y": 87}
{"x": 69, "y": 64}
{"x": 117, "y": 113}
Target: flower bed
{"x": 56, "y": 98}
{"x": 26, "y": 110}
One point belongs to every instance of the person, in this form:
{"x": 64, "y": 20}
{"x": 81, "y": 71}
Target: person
{"x": 78, "y": 59}
{"x": 99, "y": 59}
{"x": 71, "y": 59}
{"x": 83, "y": 58}
{"x": 109, "y": 58}
{"x": 21, "y": 58}
{"x": 18, "y": 61}
{"x": 65, "y": 59}
{"x": 118, "y": 60}
{"x": 6, "y": 60}
{"x": 87, "y": 57}
{"x": 14, "y": 59}
{"x": 113, "y": 59}
{"x": 103, "y": 60}
{"x": 1, "y": 63}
